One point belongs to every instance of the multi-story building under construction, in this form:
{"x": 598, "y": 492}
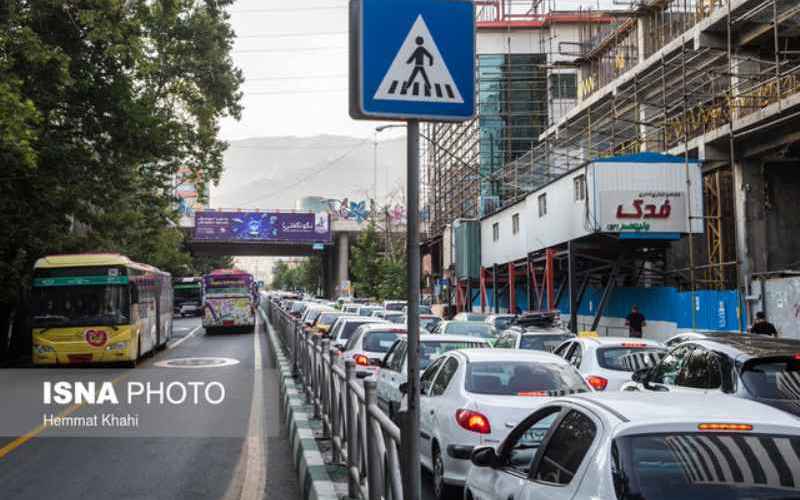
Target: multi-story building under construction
{"x": 710, "y": 81}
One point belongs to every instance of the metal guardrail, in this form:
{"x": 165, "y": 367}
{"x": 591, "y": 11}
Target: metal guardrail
{"x": 363, "y": 437}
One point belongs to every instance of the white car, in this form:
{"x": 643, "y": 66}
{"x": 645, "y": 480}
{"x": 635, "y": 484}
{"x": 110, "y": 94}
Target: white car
{"x": 607, "y": 363}
{"x": 345, "y": 326}
{"x": 368, "y": 346}
{"x": 643, "y": 446}
{"x": 393, "y": 367}
{"x": 538, "y": 340}
{"x": 472, "y": 397}
{"x": 394, "y": 305}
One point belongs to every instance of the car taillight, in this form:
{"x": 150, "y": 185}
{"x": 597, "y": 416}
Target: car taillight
{"x": 797, "y": 356}
{"x": 362, "y": 360}
{"x": 598, "y": 383}
{"x": 473, "y": 421}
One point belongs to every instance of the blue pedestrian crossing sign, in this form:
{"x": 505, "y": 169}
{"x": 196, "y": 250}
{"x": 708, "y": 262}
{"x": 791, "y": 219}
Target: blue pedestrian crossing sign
{"x": 412, "y": 59}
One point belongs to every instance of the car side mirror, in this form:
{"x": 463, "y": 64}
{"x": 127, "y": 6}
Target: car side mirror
{"x": 404, "y": 388}
{"x": 641, "y": 375}
{"x": 483, "y": 456}
{"x": 340, "y": 347}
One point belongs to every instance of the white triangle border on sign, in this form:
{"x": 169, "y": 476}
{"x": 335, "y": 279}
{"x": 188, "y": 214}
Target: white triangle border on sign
{"x": 443, "y": 88}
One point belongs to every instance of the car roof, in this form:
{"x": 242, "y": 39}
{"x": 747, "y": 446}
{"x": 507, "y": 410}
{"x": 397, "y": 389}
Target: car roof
{"x": 431, "y": 337}
{"x": 363, "y": 319}
{"x": 383, "y": 326}
{"x": 749, "y": 346}
{"x": 471, "y": 323}
{"x": 489, "y": 354}
{"x": 641, "y": 407}
{"x": 556, "y": 332}
{"x": 614, "y": 341}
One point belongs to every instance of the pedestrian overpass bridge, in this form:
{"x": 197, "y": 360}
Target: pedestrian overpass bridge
{"x": 278, "y": 233}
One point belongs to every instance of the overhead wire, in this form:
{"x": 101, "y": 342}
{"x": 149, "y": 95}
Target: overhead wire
{"x": 326, "y": 166}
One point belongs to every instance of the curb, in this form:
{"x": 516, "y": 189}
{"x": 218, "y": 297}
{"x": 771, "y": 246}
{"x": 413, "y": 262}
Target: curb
{"x": 312, "y": 473}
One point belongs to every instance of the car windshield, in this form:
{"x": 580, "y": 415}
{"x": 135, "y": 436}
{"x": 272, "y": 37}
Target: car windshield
{"x": 311, "y": 315}
{"x": 629, "y": 359}
{"x": 522, "y": 378}
{"x": 394, "y": 317}
{"x": 694, "y": 466}
{"x": 546, "y": 343}
{"x": 474, "y": 317}
{"x": 773, "y": 378}
{"x": 327, "y": 318}
{"x": 348, "y": 329}
{"x": 379, "y": 341}
{"x": 429, "y": 350}
{"x": 395, "y": 306}
{"x": 473, "y": 329}
{"x": 55, "y": 306}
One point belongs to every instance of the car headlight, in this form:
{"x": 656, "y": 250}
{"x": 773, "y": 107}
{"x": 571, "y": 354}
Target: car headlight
{"x": 117, "y": 347}
{"x": 43, "y": 349}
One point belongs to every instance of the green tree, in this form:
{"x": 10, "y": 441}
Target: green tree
{"x": 365, "y": 263}
{"x": 100, "y": 102}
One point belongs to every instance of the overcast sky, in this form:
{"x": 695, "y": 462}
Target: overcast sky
{"x": 294, "y": 58}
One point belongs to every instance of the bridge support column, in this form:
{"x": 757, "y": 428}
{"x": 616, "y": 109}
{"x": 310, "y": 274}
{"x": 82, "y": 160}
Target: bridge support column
{"x": 342, "y": 259}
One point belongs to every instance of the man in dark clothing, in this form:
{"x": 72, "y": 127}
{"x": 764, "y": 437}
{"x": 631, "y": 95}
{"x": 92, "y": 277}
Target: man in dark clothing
{"x": 635, "y": 321}
{"x": 762, "y": 326}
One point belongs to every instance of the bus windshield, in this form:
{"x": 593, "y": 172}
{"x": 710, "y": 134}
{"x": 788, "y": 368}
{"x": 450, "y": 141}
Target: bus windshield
{"x": 188, "y": 292}
{"x": 80, "y": 305}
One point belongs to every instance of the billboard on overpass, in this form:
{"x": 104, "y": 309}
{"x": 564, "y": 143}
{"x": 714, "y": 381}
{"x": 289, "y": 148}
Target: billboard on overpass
{"x": 263, "y": 226}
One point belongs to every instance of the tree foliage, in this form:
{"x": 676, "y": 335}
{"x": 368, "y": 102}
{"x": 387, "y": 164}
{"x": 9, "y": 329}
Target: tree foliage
{"x": 100, "y": 102}
{"x": 377, "y": 272}
{"x": 305, "y": 275}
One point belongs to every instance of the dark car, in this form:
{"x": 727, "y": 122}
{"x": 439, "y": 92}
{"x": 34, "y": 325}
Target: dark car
{"x": 763, "y": 369}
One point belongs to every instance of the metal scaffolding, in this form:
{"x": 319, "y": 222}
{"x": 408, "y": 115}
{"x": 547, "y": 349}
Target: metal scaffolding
{"x": 682, "y": 77}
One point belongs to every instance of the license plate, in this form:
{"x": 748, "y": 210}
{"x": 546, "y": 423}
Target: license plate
{"x": 79, "y": 358}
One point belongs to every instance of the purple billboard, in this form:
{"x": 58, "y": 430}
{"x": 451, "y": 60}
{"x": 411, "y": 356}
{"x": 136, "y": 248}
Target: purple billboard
{"x": 263, "y": 226}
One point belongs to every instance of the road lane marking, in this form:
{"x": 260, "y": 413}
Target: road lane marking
{"x": 13, "y": 445}
{"x": 255, "y": 474}
{"x": 184, "y": 339}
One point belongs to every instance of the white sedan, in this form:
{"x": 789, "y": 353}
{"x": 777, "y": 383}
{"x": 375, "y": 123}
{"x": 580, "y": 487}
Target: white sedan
{"x": 607, "y": 363}
{"x": 368, "y": 345}
{"x": 393, "y": 372}
{"x": 472, "y": 397}
{"x": 643, "y": 446}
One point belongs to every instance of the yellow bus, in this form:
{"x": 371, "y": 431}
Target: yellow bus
{"x": 98, "y": 308}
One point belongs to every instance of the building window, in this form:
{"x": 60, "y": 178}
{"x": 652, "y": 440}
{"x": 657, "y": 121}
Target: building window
{"x": 542, "y": 205}
{"x": 580, "y": 187}
{"x": 495, "y": 231}
{"x": 515, "y": 223}
{"x": 564, "y": 86}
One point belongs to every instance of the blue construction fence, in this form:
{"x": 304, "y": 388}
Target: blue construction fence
{"x": 713, "y": 309}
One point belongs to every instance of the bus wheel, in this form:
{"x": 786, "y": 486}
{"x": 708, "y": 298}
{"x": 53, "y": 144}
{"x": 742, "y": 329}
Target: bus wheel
{"x": 132, "y": 363}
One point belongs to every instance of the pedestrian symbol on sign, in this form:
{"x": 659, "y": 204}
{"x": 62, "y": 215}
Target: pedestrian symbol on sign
{"x": 409, "y": 79}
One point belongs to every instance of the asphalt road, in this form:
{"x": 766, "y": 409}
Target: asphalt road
{"x": 234, "y": 449}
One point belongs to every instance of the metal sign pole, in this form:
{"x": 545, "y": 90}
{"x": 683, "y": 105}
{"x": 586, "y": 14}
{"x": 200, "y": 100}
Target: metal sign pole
{"x": 412, "y": 489}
